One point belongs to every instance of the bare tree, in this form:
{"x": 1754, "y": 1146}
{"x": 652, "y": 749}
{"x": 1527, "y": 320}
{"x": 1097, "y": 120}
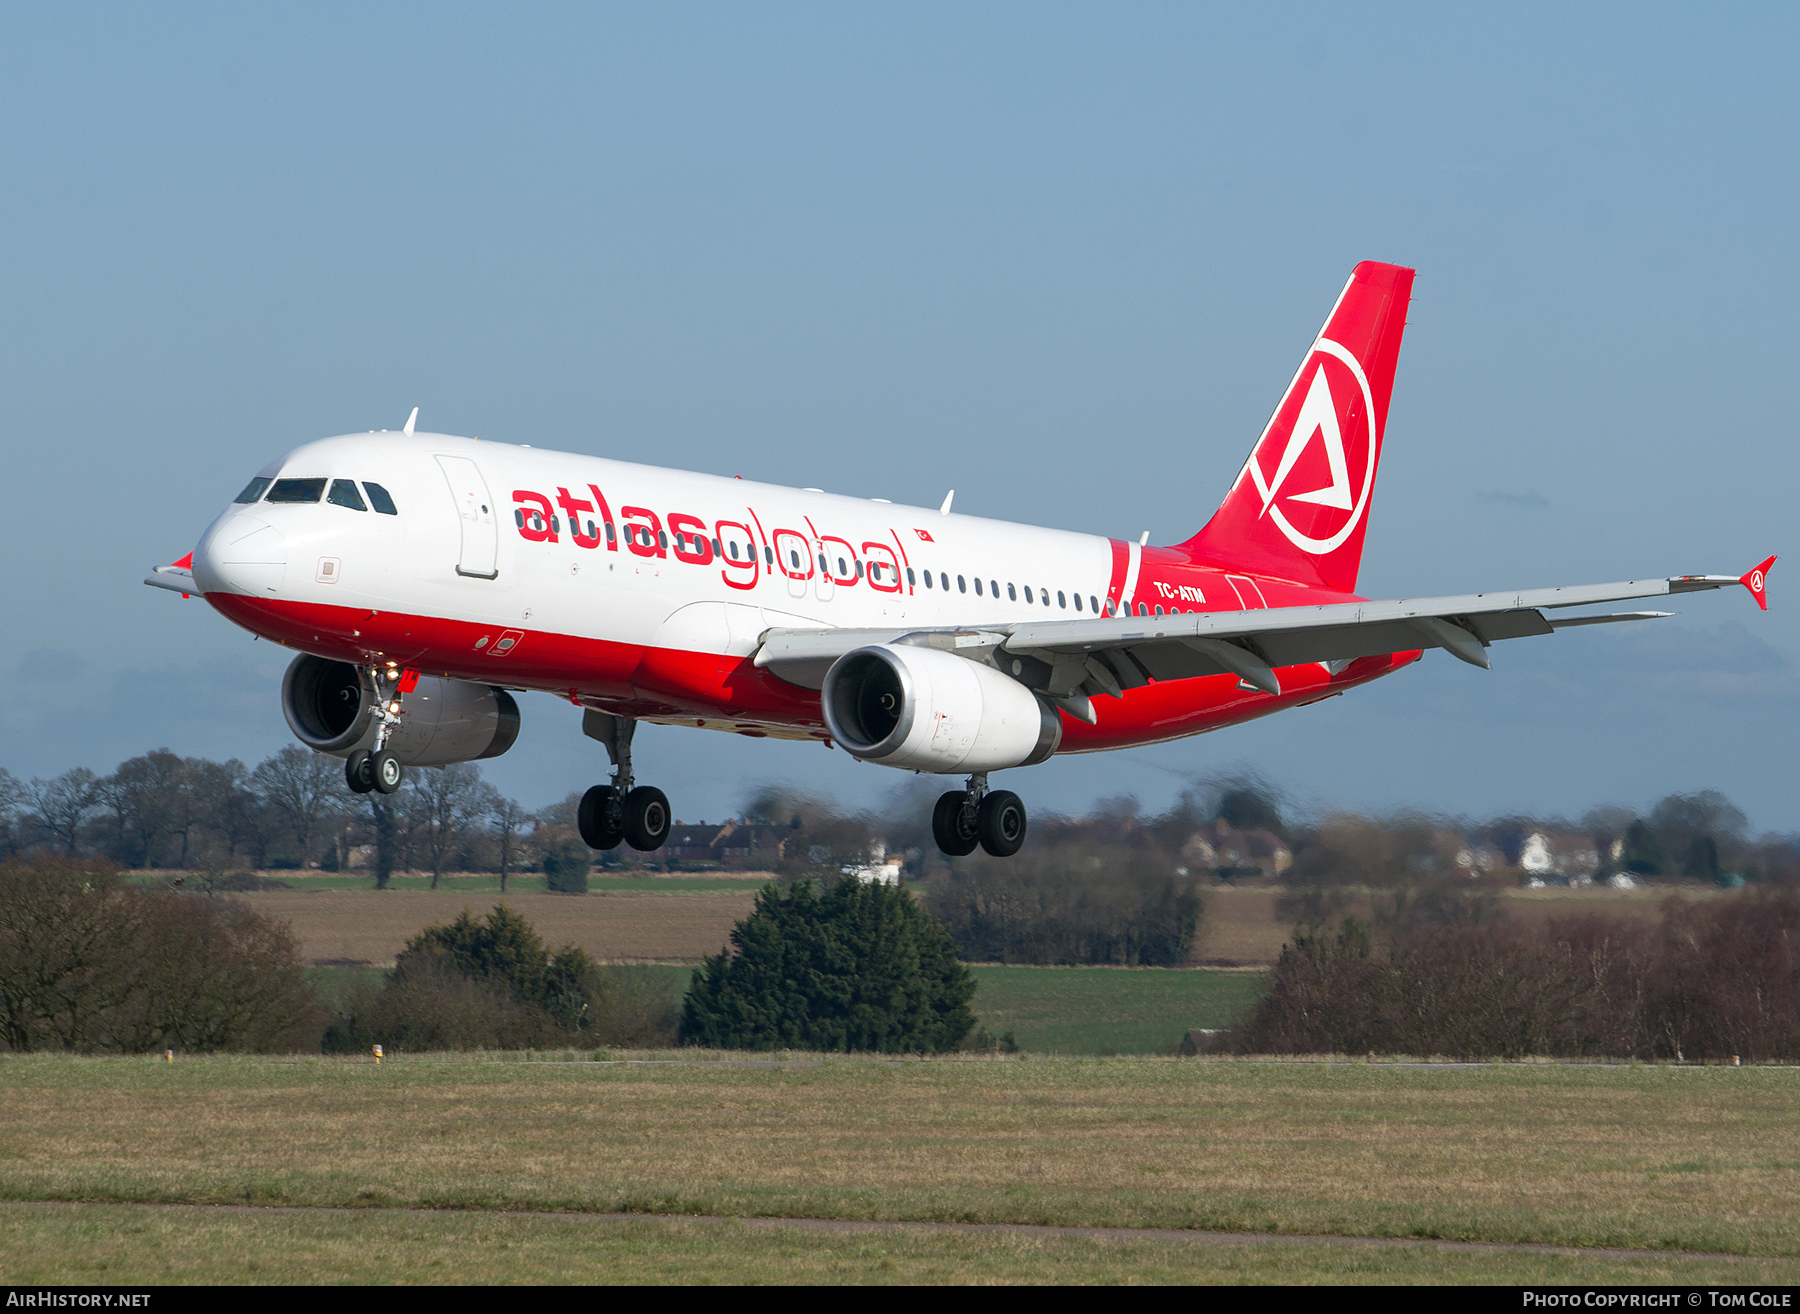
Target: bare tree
{"x": 506, "y": 818}
{"x": 298, "y": 785}
{"x": 440, "y": 805}
{"x": 12, "y": 813}
{"x": 63, "y": 804}
{"x": 149, "y": 795}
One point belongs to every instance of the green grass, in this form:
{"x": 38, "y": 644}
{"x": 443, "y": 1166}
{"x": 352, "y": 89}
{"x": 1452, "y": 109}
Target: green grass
{"x": 1536, "y": 1154}
{"x": 335, "y": 984}
{"x": 1049, "y": 1010}
{"x": 1108, "y": 1010}
{"x": 125, "y": 1245}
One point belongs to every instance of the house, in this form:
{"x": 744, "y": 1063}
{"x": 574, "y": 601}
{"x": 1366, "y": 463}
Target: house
{"x": 739, "y": 843}
{"x": 1218, "y": 847}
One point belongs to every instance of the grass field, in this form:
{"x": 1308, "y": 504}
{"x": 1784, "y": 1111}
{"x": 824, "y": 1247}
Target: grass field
{"x": 1108, "y": 1010}
{"x": 1049, "y": 1010}
{"x": 1700, "y": 1159}
{"x": 122, "y": 1244}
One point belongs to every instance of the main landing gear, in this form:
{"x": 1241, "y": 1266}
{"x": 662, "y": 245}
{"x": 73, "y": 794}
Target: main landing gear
{"x": 964, "y": 818}
{"x": 377, "y": 768}
{"x": 610, "y": 813}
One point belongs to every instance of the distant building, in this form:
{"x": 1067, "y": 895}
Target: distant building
{"x": 1219, "y": 847}
{"x": 738, "y": 843}
{"x": 881, "y": 870}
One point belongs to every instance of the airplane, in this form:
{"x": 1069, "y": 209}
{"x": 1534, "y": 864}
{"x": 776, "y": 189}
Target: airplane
{"x": 424, "y": 579}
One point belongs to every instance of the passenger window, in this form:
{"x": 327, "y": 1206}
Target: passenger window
{"x": 944, "y": 579}
{"x": 733, "y": 551}
{"x": 1012, "y": 594}
{"x": 1143, "y": 610}
{"x": 794, "y": 558}
{"x": 662, "y": 539}
{"x": 1028, "y": 593}
{"x": 1045, "y": 595}
{"x": 994, "y": 588}
{"x": 343, "y": 493}
{"x": 961, "y": 587}
{"x": 1077, "y": 602}
{"x": 1060, "y": 600}
{"x": 254, "y": 489}
{"x": 1159, "y": 611}
{"x": 609, "y": 532}
{"x": 859, "y": 571}
{"x": 843, "y": 573}
{"x": 910, "y": 579}
{"x": 717, "y": 550}
{"x": 379, "y": 499}
{"x": 1093, "y": 604}
{"x": 297, "y": 490}
{"x": 978, "y": 586}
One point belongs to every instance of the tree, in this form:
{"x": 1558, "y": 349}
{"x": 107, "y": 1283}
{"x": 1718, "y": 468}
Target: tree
{"x": 147, "y": 795}
{"x": 854, "y": 967}
{"x": 1643, "y": 855}
{"x": 63, "y": 804}
{"x": 439, "y": 805}
{"x": 297, "y": 785}
{"x": 89, "y": 964}
{"x": 506, "y": 819}
{"x": 12, "y": 819}
{"x": 386, "y": 845}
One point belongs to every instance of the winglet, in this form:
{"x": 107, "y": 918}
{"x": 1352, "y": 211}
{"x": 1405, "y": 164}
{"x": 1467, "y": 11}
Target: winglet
{"x": 1757, "y": 582}
{"x": 410, "y": 421}
{"x": 177, "y": 577}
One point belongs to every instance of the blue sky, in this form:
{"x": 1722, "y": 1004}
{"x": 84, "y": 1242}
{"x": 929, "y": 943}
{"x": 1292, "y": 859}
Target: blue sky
{"x": 1062, "y": 258}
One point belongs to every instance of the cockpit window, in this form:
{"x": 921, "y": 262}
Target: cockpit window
{"x": 343, "y": 493}
{"x": 379, "y": 499}
{"x": 254, "y": 489}
{"x": 297, "y": 490}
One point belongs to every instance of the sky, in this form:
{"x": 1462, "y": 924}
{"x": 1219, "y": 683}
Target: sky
{"x": 1062, "y": 258}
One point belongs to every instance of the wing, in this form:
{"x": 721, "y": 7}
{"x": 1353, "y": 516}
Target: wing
{"x": 1073, "y": 660}
{"x": 177, "y": 577}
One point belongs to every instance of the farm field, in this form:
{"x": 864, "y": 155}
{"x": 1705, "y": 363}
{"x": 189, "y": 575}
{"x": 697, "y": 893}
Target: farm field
{"x": 372, "y": 926}
{"x": 1660, "y": 1158}
{"x": 1108, "y": 1010}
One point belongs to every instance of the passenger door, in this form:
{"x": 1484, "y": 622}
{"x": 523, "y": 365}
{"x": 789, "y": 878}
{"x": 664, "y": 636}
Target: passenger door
{"x": 475, "y": 510}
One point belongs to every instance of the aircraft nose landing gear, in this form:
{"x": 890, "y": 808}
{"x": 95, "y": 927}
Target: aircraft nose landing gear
{"x": 379, "y": 769}
{"x": 610, "y": 813}
{"x": 965, "y": 818}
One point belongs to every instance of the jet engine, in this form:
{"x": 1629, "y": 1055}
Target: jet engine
{"x": 327, "y": 707}
{"x": 924, "y": 709}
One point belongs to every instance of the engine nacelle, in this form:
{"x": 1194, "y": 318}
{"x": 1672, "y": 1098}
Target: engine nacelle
{"x": 327, "y": 707}
{"x": 924, "y": 709}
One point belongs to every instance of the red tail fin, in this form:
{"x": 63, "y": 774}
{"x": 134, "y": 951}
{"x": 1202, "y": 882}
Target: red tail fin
{"x": 1300, "y": 507}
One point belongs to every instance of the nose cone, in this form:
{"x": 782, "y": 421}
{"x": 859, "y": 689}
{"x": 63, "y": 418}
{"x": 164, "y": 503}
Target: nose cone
{"x": 241, "y": 554}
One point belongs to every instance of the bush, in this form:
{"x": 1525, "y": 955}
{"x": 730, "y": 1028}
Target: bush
{"x": 88, "y": 964}
{"x": 566, "y": 867}
{"x": 493, "y": 984}
{"x": 856, "y": 967}
{"x": 1074, "y": 903}
{"x": 1713, "y": 980}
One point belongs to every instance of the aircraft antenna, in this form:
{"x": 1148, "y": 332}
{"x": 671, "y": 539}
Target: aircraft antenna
{"x": 949, "y": 497}
{"x": 410, "y": 421}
